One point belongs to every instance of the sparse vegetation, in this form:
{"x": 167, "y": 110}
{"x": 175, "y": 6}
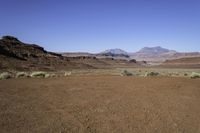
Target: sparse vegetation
{"x": 151, "y": 74}
{"x": 5, "y": 75}
{"x": 22, "y": 75}
{"x": 39, "y": 74}
{"x": 127, "y": 73}
{"x": 47, "y": 75}
{"x": 195, "y": 75}
{"x": 67, "y": 73}
{"x": 176, "y": 74}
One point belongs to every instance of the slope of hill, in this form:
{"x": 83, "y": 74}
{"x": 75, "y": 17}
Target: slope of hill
{"x": 16, "y": 55}
{"x": 12, "y": 47}
{"x": 190, "y": 62}
{"x": 76, "y": 54}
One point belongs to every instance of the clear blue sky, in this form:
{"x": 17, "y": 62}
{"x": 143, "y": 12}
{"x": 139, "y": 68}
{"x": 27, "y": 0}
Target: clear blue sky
{"x": 96, "y": 25}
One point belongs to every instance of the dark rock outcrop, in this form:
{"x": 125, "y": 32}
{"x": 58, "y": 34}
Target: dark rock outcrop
{"x": 12, "y": 47}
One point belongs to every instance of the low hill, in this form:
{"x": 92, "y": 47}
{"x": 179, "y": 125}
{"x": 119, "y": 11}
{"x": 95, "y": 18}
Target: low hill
{"x": 190, "y": 62}
{"x": 12, "y": 47}
{"x": 16, "y": 55}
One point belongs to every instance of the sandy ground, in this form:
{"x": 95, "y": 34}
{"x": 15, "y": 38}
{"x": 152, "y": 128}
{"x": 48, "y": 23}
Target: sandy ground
{"x": 103, "y": 104}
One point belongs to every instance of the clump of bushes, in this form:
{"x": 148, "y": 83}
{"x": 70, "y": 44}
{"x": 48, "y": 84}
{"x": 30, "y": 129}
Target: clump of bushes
{"x": 67, "y": 73}
{"x": 39, "y": 74}
{"x": 5, "y": 75}
{"x": 151, "y": 74}
{"x": 127, "y": 73}
{"x": 195, "y": 75}
{"x": 47, "y": 75}
{"x": 22, "y": 75}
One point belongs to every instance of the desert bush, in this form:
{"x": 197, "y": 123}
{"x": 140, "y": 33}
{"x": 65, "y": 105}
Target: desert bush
{"x": 127, "y": 73}
{"x": 39, "y": 74}
{"x": 67, "y": 73}
{"x": 5, "y": 75}
{"x": 47, "y": 75}
{"x": 151, "y": 74}
{"x": 175, "y": 74}
{"x": 53, "y": 75}
{"x": 195, "y": 75}
{"x": 21, "y": 75}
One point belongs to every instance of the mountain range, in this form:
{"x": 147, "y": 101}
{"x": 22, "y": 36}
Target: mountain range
{"x": 20, "y": 56}
{"x": 16, "y": 55}
{"x": 159, "y": 54}
{"x": 151, "y": 54}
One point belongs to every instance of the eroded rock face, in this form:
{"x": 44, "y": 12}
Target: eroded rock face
{"x": 12, "y": 47}
{"x": 16, "y": 55}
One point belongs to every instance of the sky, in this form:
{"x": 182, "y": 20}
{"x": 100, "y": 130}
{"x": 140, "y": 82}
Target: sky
{"x": 97, "y": 25}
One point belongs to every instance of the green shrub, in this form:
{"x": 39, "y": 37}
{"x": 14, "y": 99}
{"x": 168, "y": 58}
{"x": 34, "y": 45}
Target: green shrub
{"x": 39, "y": 74}
{"x": 5, "y": 75}
{"x": 195, "y": 75}
{"x": 151, "y": 74}
{"x": 22, "y": 75}
{"x": 127, "y": 73}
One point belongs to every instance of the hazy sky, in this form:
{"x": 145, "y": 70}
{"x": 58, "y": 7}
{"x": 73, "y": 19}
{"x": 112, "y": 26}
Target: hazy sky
{"x": 96, "y": 25}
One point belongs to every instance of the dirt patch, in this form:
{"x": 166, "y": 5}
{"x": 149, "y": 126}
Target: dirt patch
{"x": 100, "y": 104}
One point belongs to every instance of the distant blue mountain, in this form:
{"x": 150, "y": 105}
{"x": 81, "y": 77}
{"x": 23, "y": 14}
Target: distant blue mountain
{"x": 114, "y": 53}
{"x": 154, "y": 50}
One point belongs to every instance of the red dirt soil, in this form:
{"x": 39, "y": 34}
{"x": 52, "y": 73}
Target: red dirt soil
{"x": 109, "y": 104}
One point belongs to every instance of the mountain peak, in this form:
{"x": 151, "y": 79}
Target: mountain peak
{"x": 155, "y": 50}
{"x": 10, "y": 38}
{"x": 115, "y": 53}
{"x": 156, "y": 53}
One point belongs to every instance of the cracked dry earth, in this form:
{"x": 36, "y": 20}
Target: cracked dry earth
{"x": 102, "y": 104}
